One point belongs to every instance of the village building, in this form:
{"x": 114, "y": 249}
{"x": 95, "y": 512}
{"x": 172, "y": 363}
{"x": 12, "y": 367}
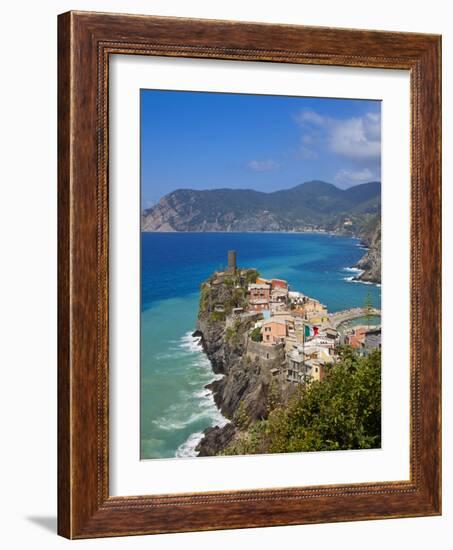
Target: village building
{"x": 259, "y": 296}
{"x": 297, "y": 371}
{"x": 300, "y": 370}
{"x": 295, "y": 332}
{"x": 296, "y": 298}
{"x": 364, "y": 339}
{"x": 279, "y": 284}
{"x": 276, "y": 307}
{"x": 317, "y": 369}
{"x": 323, "y": 353}
{"x": 278, "y": 299}
{"x": 373, "y": 339}
{"x": 312, "y": 310}
{"x": 331, "y": 333}
{"x": 356, "y": 337}
{"x": 316, "y": 318}
{"x": 274, "y": 331}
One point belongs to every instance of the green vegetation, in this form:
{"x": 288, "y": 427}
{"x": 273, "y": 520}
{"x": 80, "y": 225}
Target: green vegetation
{"x": 251, "y": 277}
{"x": 216, "y": 316}
{"x": 274, "y": 396}
{"x": 368, "y": 305}
{"x": 317, "y": 203}
{"x": 341, "y": 412}
{"x": 204, "y": 297}
{"x": 256, "y": 335}
{"x": 241, "y": 418}
{"x": 232, "y": 331}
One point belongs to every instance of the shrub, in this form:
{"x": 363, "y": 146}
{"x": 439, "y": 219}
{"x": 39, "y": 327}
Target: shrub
{"x": 341, "y": 412}
{"x": 256, "y": 335}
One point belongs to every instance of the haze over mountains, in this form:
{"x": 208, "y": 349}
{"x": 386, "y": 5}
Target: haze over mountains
{"x": 314, "y": 205}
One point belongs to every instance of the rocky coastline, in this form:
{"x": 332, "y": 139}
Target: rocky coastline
{"x": 248, "y": 390}
{"x": 370, "y": 263}
{"x": 243, "y": 393}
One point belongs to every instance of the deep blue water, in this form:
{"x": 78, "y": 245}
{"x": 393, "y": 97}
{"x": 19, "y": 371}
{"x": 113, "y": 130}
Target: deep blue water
{"x": 174, "y": 264}
{"x": 175, "y": 406}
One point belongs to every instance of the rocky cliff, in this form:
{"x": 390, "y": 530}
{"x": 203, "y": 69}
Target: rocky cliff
{"x": 370, "y": 263}
{"x": 243, "y": 393}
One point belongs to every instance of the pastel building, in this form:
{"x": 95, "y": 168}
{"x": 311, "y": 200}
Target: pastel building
{"x": 279, "y": 283}
{"x": 364, "y": 338}
{"x": 259, "y": 296}
{"x": 301, "y": 370}
{"x": 274, "y": 331}
{"x": 356, "y": 338}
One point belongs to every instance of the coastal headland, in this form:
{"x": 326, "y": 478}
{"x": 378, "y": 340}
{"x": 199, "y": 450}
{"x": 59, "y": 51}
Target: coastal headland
{"x": 272, "y": 343}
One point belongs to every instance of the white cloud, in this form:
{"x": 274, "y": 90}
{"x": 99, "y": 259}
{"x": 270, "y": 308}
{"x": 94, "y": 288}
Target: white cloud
{"x": 310, "y": 117}
{"x": 354, "y": 177}
{"x": 267, "y": 165}
{"x": 356, "y": 138}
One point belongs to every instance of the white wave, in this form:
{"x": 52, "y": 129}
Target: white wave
{"x": 187, "y": 449}
{"x": 190, "y": 343}
{"x": 354, "y": 280}
{"x": 206, "y": 402}
{"x": 169, "y": 424}
{"x": 203, "y": 393}
{"x": 206, "y": 407}
{"x": 173, "y": 354}
{"x": 353, "y": 269}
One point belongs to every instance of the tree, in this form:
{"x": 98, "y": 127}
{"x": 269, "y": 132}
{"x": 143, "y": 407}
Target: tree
{"x": 368, "y": 305}
{"x": 341, "y": 412}
{"x": 256, "y": 335}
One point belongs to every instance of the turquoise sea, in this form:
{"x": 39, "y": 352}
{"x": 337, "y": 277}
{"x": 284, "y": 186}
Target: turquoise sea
{"x": 175, "y": 405}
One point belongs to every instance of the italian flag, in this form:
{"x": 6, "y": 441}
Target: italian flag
{"x": 310, "y": 331}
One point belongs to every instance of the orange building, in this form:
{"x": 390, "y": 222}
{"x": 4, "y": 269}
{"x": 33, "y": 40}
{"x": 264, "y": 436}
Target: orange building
{"x": 357, "y": 338}
{"x": 274, "y": 331}
{"x": 279, "y": 283}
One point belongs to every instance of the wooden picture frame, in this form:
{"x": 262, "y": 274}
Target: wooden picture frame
{"x": 85, "y": 42}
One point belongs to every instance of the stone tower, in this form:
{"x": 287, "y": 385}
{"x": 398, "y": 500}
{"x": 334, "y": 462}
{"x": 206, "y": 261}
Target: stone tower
{"x": 231, "y": 261}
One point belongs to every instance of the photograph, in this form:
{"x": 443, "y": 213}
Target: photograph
{"x": 260, "y": 320}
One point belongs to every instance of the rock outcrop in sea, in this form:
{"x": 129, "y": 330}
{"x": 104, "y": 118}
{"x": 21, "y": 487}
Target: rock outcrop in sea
{"x": 370, "y": 263}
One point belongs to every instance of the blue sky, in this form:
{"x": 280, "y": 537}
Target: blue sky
{"x": 202, "y": 140}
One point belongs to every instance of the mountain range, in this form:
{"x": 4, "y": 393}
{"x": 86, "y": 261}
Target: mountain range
{"x": 313, "y": 205}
